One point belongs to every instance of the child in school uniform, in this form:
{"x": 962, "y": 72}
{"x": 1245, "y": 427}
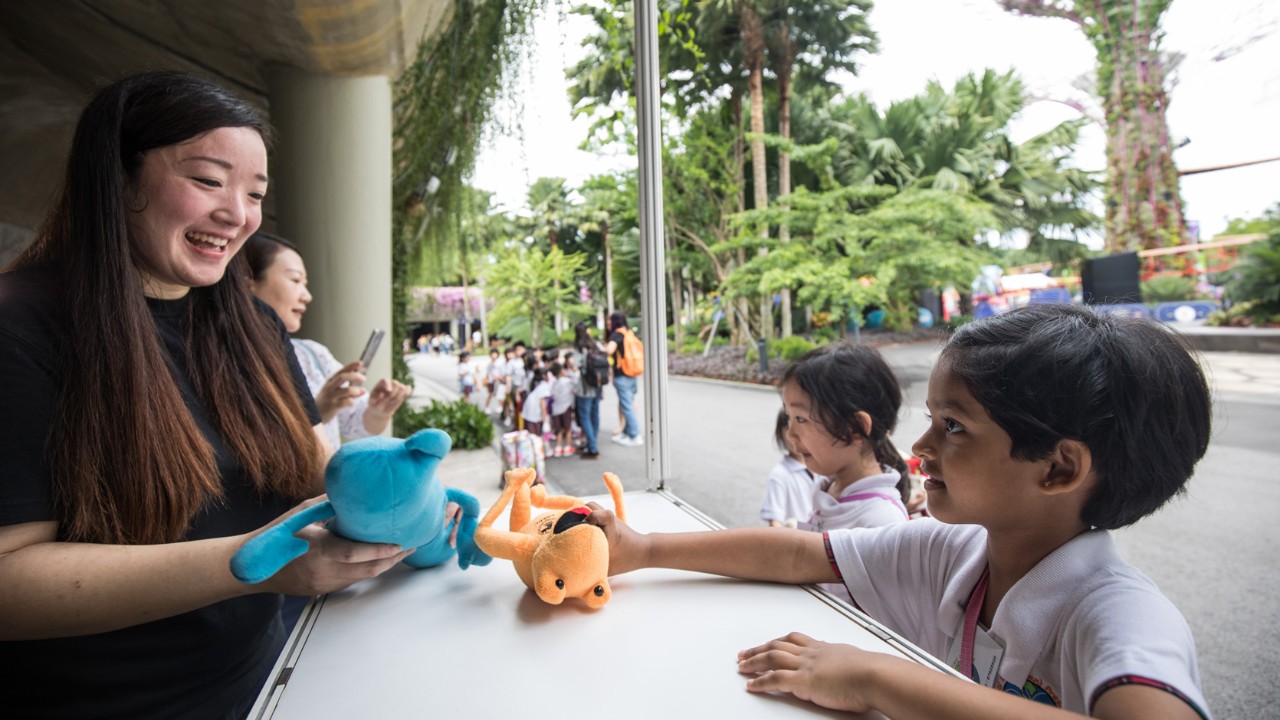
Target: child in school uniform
{"x": 842, "y": 403}
{"x": 495, "y": 383}
{"x": 512, "y": 371}
{"x": 788, "y": 494}
{"x": 537, "y": 404}
{"x": 1050, "y": 426}
{"x": 466, "y": 375}
{"x": 562, "y": 409}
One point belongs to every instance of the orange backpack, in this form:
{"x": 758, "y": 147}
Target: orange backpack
{"x": 631, "y": 363}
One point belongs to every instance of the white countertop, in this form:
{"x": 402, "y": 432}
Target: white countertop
{"x": 443, "y": 642}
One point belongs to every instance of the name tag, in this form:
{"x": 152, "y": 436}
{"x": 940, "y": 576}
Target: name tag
{"x": 987, "y": 655}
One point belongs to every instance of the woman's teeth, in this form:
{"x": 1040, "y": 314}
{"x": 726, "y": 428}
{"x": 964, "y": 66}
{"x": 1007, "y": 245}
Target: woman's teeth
{"x": 207, "y": 240}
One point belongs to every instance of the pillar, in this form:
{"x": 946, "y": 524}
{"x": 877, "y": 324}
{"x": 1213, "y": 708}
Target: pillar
{"x": 331, "y": 178}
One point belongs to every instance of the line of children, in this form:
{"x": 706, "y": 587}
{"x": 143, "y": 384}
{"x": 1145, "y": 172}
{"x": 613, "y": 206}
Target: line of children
{"x": 1049, "y": 427}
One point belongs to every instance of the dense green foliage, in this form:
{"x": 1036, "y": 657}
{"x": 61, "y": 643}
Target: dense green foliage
{"x": 1168, "y": 289}
{"x": 442, "y": 102}
{"x": 534, "y": 285}
{"x": 466, "y": 424}
{"x": 1257, "y": 276}
{"x": 788, "y": 349}
{"x": 773, "y": 194}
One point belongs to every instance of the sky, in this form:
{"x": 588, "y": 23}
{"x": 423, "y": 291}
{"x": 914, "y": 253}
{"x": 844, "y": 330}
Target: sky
{"x": 1225, "y": 104}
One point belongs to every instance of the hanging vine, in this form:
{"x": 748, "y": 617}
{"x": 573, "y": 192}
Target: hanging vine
{"x": 443, "y": 102}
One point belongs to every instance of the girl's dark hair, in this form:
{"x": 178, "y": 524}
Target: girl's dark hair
{"x": 780, "y": 432}
{"x": 260, "y": 251}
{"x": 139, "y": 468}
{"x": 842, "y": 380}
{"x": 582, "y": 338}
{"x": 1127, "y": 388}
{"x": 617, "y": 319}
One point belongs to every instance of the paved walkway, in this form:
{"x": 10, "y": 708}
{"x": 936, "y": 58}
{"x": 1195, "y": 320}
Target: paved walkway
{"x": 1244, "y": 376}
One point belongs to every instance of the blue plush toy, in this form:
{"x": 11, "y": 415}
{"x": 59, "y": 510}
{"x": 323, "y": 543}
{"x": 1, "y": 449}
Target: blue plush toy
{"x": 381, "y": 490}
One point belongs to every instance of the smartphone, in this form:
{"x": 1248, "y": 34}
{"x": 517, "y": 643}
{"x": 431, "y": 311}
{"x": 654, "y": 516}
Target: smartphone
{"x": 371, "y": 347}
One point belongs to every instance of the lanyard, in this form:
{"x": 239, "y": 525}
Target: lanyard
{"x": 869, "y": 495}
{"x": 971, "y": 612}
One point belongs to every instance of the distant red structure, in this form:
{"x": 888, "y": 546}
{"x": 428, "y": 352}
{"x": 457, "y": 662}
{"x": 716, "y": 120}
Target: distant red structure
{"x": 1196, "y": 258}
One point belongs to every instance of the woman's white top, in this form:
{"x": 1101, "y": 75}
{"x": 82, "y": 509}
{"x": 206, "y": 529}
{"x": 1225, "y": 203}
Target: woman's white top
{"x": 318, "y": 364}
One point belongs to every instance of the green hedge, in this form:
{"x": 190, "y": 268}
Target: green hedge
{"x": 787, "y": 348}
{"x": 465, "y": 423}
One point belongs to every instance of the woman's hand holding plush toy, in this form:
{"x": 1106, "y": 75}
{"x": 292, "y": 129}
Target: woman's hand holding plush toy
{"x": 453, "y": 514}
{"x": 331, "y": 562}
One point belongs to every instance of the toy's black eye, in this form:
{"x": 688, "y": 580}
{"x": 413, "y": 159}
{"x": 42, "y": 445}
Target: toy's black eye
{"x": 560, "y": 584}
{"x": 599, "y": 591}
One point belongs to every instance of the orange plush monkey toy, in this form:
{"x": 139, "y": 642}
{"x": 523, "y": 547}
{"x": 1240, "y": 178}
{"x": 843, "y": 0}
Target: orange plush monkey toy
{"x": 557, "y": 554}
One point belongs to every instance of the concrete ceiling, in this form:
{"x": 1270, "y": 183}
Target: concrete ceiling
{"x": 55, "y": 53}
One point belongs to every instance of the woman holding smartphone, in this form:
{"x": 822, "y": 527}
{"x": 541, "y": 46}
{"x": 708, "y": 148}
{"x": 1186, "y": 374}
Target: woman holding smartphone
{"x": 279, "y": 278}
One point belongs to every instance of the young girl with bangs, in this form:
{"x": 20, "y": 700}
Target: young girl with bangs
{"x": 842, "y": 402}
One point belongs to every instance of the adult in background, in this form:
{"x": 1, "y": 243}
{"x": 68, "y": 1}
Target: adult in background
{"x": 348, "y": 411}
{"x": 624, "y": 383}
{"x": 590, "y": 388}
{"x": 152, "y": 419}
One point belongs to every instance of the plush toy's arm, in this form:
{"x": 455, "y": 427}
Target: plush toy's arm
{"x": 468, "y": 552}
{"x": 539, "y": 497}
{"x": 269, "y": 551}
{"x": 612, "y": 482}
{"x": 504, "y": 543}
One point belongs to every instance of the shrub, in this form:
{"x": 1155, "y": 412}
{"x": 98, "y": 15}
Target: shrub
{"x": 692, "y": 345}
{"x": 788, "y": 348}
{"x": 1169, "y": 289}
{"x": 465, "y": 423}
{"x": 825, "y": 334}
{"x": 1257, "y": 276}
{"x": 1249, "y": 313}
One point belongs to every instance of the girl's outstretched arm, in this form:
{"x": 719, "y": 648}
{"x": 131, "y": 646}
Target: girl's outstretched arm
{"x": 773, "y": 554}
{"x": 843, "y": 677}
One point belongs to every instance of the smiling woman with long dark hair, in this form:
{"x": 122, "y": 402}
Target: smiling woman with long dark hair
{"x": 152, "y": 418}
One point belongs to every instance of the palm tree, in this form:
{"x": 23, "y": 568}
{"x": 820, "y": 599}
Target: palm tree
{"x": 602, "y": 202}
{"x": 530, "y": 283}
{"x": 829, "y": 33}
{"x": 548, "y": 200}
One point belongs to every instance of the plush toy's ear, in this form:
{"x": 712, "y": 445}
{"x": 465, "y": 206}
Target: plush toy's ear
{"x": 430, "y": 441}
{"x": 270, "y": 550}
